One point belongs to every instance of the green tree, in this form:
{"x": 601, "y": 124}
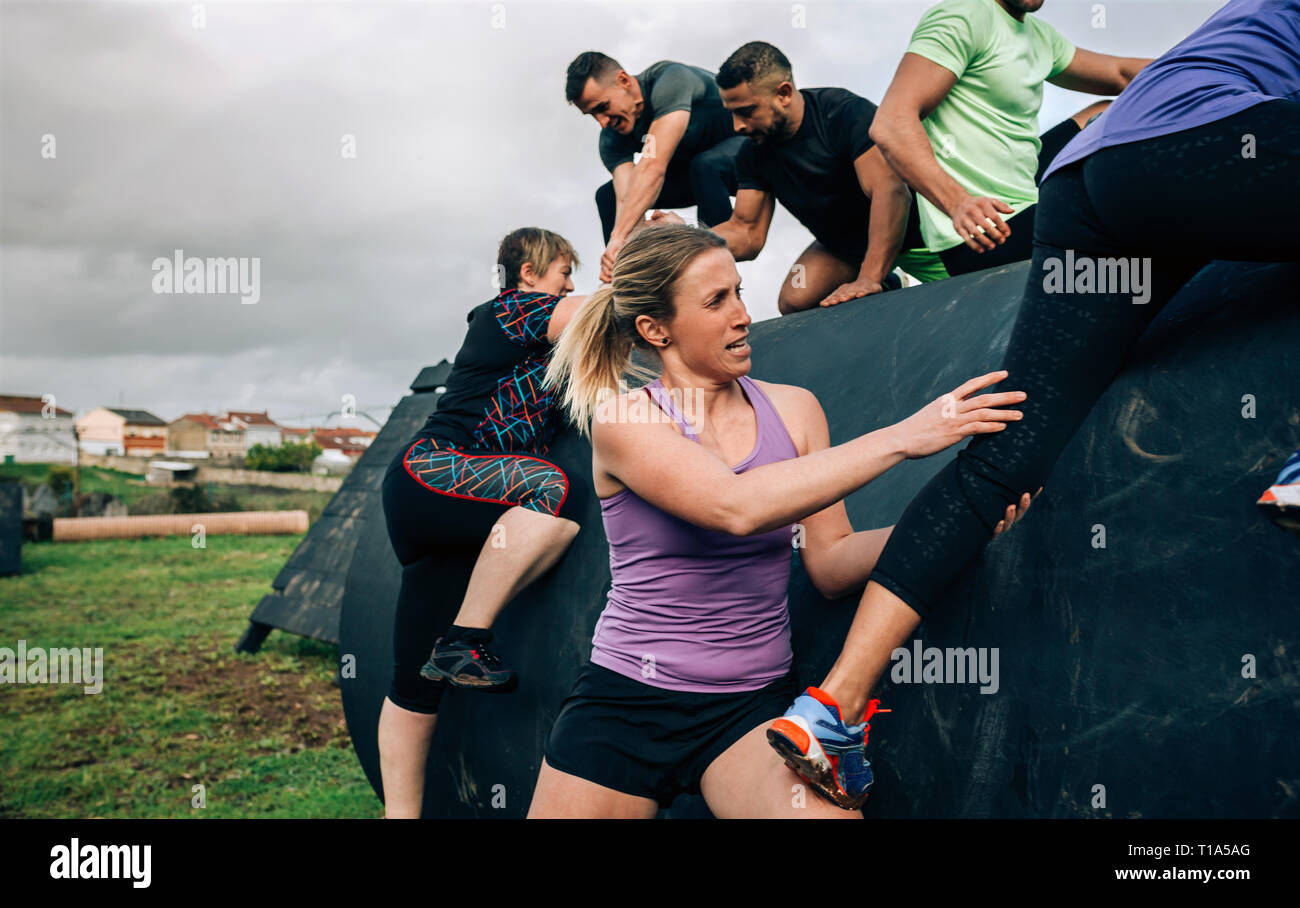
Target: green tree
{"x": 292, "y": 457}
{"x": 60, "y": 479}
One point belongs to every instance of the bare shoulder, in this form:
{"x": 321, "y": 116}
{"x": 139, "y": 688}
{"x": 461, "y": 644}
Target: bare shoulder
{"x": 798, "y": 408}
{"x": 618, "y": 422}
{"x": 635, "y": 408}
{"x": 791, "y": 399}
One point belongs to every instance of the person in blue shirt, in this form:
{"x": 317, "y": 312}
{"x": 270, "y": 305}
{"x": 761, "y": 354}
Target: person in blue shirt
{"x": 1198, "y": 159}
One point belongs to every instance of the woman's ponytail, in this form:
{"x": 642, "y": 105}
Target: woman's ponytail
{"x": 594, "y": 351}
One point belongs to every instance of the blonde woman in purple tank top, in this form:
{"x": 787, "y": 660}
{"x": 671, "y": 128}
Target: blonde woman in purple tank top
{"x": 702, "y": 476}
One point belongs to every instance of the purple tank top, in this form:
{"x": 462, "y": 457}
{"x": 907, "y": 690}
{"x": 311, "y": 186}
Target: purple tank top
{"x": 693, "y": 609}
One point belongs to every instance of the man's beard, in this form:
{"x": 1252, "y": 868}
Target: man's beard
{"x": 777, "y": 131}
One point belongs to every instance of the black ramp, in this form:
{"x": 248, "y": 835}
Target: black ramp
{"x": 307, "y": 595}
{"x": 1123, "y": 676}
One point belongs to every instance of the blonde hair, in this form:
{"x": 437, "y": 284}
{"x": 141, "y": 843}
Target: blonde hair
{"x": 595, "y": 349}
{"x": 533, "y": 245}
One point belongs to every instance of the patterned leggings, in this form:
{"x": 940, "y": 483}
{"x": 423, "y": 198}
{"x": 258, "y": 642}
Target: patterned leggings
{"x": 441, "y": 502}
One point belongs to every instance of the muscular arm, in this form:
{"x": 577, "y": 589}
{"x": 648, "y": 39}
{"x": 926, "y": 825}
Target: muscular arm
{"x": 643, "y": 181}
{"x": 918, "y": 87}
{"x": 1098, "y": 74}
{"x": 746, "y": 230}
{"x": 889, "y": 199}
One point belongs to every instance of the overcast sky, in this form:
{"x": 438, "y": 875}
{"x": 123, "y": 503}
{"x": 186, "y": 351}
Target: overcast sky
{"x": 227, "y": 140}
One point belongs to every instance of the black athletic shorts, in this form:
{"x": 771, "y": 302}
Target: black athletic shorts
{"x": 652, "y": 742}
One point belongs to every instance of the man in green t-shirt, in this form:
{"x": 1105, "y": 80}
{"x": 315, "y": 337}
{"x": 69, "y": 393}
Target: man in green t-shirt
{"x": 960, "y": 122}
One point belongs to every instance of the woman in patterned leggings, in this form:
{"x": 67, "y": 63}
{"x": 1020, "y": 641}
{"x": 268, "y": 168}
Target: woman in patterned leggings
{"x": 470, "y": 480}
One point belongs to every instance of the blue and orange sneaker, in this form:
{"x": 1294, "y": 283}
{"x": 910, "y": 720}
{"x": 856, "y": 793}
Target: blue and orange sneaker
{"x": 1281, "y": 501}
{"x": 814, "y": 742}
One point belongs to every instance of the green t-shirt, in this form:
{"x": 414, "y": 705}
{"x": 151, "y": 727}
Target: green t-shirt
{"x": 985, "y": 131}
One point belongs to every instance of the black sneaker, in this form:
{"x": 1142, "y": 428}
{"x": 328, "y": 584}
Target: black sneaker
{"x": 468, "y": 664}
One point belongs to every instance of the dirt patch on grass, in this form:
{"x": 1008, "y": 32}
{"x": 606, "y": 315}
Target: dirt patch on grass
{"x": 262, "y": 697}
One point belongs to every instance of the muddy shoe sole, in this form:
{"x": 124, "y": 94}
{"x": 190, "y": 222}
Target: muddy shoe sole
{"x": 468, "y": 682}
{"x": 822, "y": 778}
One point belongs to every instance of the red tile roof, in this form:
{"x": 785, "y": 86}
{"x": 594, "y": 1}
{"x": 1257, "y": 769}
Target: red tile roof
{"x": 19, "y": 403}
{"x": 249, "y": 417}
{"x": 344, "y": 439}
{"x": 202, "y": 419}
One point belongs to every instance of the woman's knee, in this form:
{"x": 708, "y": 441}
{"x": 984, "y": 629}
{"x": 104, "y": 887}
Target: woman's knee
{"x": 414, "y": 693}
{"x": 568, "y": 529}
{"x": 989, "y": 479}
{"x": 545, "y": 491}
{"x": 559, "y": 532}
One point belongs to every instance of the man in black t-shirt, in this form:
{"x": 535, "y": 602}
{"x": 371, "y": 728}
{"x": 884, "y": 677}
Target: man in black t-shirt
{"x": 672, "y": 116}
{"x": 810, "y": 150}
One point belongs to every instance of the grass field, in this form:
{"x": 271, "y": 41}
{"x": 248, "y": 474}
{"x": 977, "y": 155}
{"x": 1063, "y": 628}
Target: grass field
{"x": 264, "y": 734}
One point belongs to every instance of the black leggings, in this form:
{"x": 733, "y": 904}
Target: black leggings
{"x": 706, "y": 180}
{"x": 441, "y": 502}
{"x": 961, "y": 259}
{"x": 1180, "y": 201}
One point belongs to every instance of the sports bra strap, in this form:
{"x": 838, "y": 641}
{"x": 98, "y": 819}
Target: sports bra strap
{"x": 665, "y": 401}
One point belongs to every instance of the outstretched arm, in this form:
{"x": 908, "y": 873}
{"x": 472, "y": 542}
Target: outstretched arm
{"x": 690, "y": 482}
{"x": 838, "y": 560}
{"x": 1098, "y": 74}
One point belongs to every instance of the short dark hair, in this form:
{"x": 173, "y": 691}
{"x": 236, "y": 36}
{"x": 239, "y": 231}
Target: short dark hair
{"x": 757, "y": 63}
{"x": 591, "y": 64}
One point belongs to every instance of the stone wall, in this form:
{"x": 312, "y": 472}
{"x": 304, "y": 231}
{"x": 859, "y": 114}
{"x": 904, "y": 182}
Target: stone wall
{"x": 219, "y": 473}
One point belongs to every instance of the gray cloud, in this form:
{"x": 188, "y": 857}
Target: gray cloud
{"x": 225, "y": 141}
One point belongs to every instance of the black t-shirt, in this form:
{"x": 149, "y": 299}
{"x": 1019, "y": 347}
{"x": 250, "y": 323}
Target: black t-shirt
{"x": 667, "y": 86}
{"x": 494, "y": 398}
{"x": 812, "y": 174}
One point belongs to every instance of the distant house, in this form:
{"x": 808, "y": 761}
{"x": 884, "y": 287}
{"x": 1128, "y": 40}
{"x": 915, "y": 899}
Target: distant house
{"x": 352, "y": 443}
{"x": 203, "y": 435}
{"x": 258, "y": 428}
{"x": 294, "y": 435}
{"x": 31, "y": 433}
{"x": 111, "y": 430}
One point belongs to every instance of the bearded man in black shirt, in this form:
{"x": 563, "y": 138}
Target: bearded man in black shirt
{"x": 810, "y": 150}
